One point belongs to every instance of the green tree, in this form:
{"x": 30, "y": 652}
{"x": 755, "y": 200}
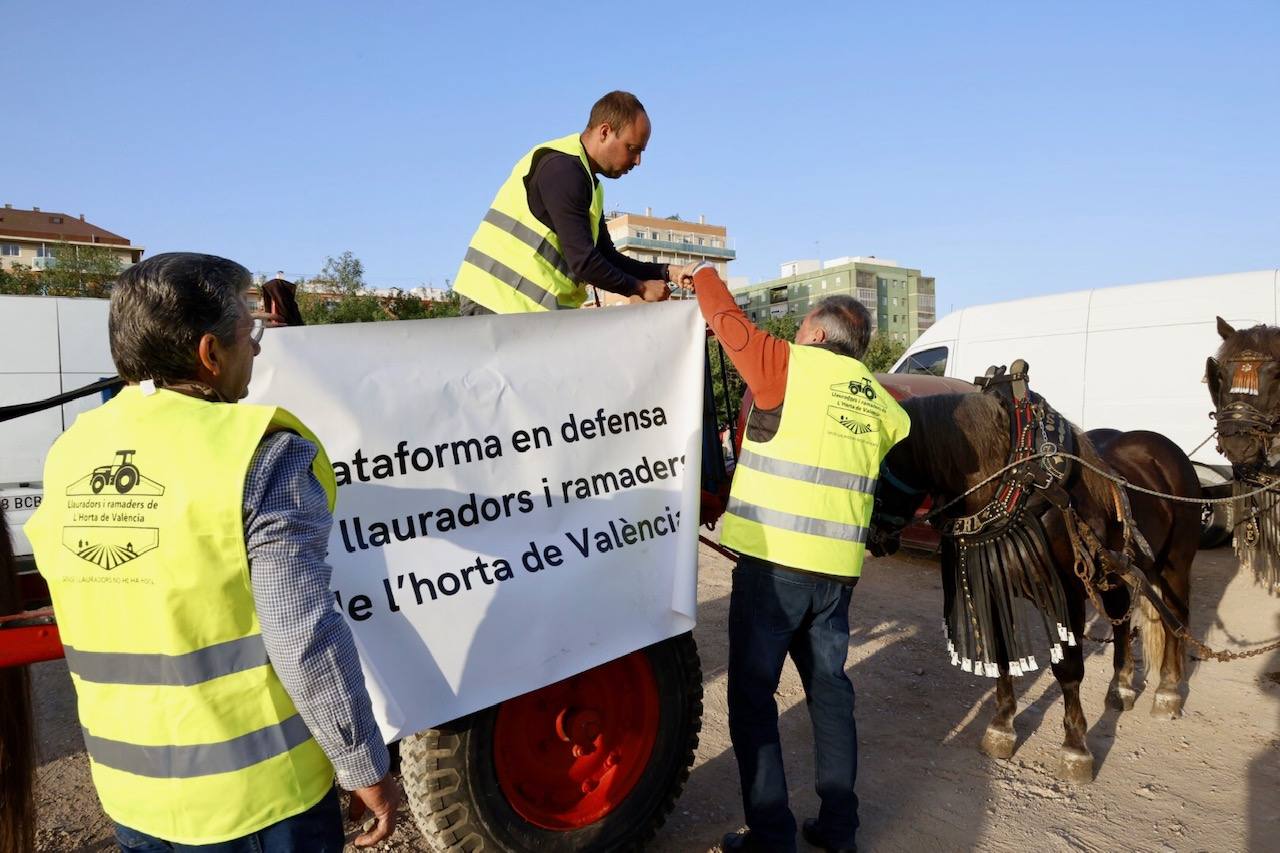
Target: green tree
{"x": 82, "y": 271}
{"x": 339, "y": 294}
{"x": 21, "y": 280}
{"x": 405, "y": 306}
{"x": 882, "y": 352}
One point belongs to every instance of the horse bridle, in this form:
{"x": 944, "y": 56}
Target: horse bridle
{"x": 1240, "y": 417}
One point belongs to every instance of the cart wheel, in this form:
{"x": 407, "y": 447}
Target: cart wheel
{"x": 592, "y": 763}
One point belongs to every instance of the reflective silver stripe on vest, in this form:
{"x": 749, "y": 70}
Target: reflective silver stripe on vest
{"x": 187, "y": 762}
{"x": 530, "y": 238}
{"x": 798, "y": 523}
{"x": 808, "y": 473}
{"x": 513, "y": 279}
{"x": 177, "y": 670}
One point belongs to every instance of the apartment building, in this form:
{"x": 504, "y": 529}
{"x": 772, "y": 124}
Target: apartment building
{"x": 900, "y": 299}
{"x": 29, "y": 238}
{"x": 665, "y": 240}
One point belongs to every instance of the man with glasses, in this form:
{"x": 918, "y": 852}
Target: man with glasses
{"x": 544, "y": 238}
{"x": 218, "y": 688}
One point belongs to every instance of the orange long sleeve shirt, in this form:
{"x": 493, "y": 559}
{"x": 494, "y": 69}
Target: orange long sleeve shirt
{"x": 759, "y": 357}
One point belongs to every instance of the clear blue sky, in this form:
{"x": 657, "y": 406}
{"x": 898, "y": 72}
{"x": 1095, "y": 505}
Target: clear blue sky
{"x": 1005, "y": 148}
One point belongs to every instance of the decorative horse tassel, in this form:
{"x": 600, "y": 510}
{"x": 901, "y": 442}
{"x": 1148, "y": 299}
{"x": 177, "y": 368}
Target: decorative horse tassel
{"x": 986, "y": 627}
{"x": 1257, "y": 539}
{"x": 1244, "y": 378}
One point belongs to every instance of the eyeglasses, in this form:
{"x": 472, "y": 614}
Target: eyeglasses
{"x": 255, "y": 331}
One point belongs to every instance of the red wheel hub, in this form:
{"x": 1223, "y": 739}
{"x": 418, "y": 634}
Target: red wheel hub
{"x": 568, "y": 754}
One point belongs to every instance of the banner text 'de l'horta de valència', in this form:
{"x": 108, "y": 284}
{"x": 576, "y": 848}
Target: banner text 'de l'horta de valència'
{"x": 517, "y": 495}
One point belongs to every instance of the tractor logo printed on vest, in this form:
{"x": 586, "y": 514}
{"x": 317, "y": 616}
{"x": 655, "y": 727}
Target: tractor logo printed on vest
{"x": 112, "y": 504}
{"x": 856, "y": 406}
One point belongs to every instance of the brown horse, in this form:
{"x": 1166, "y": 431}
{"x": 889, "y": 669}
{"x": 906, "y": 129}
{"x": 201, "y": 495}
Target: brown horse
{"x": 956, "y": 442}
{"x": 17, "y": 746}
{"x": 1244, "y": 383}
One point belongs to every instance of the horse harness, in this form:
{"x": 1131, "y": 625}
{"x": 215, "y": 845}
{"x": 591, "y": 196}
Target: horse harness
{"x": 1257, "y": 529}
{"x": 1002, "y": 553}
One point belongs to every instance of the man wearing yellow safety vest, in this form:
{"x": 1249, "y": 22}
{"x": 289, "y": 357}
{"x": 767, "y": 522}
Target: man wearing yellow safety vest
{"x": 798, "y": 514}
{"x": 183, "y": 538}
{"x": 544, "y": 238}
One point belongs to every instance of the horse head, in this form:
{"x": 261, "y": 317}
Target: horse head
{"x": 1244, "y": 384}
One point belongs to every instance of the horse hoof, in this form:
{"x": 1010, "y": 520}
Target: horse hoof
{"x": 1121, "y": 698}
{"x": 998, "y": 743}
{"x": 1075, "y": 766}
{"x": 1167, "y": 705}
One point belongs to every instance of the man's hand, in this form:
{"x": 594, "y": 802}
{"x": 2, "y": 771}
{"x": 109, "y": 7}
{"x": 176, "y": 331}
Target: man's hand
{"x": 680, "y": 276}
{"x": 653, "y": 291}
{"x": 381, "y": 798}
{"x": 273, "y": 321}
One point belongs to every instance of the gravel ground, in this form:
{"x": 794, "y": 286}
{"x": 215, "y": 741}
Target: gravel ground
{"x": 1210, "y": 781}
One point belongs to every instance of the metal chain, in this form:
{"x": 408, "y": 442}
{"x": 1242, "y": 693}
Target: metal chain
{"x": 1119, "y": 481}
{"x": 1180, "y": 631}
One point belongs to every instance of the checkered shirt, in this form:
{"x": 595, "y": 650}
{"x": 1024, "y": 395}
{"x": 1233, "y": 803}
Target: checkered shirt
{"x": 286, "y": 532}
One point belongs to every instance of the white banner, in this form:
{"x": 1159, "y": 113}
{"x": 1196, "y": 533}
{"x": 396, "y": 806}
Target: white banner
{"x": 518, "y": 495}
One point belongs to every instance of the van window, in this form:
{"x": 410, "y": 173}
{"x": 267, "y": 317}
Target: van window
{"x": 929, "y": 362}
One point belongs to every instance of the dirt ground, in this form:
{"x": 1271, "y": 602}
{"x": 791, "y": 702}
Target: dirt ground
{"x": 1210, "y": 781}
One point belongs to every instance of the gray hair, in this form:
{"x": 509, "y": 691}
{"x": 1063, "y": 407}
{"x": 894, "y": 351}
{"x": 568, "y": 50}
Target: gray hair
{"x": 847, "y": 323}
{"x": 163, "y": 306}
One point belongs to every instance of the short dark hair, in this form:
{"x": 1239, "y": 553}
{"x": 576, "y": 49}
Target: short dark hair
{"x": 847, "y": 323}
{"x": 618, "y": 108}
{"x": 163, "y": 306}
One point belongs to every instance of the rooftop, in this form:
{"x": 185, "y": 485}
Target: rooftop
{"x": 37, "y": 224}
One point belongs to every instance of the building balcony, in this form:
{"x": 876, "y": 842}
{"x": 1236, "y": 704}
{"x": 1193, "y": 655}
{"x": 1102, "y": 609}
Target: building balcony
{"x": 720, "y": 253}
{"x": 44, "y": 263}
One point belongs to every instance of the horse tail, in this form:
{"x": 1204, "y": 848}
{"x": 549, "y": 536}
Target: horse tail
{"x": 1154, "y": 638}
{"x": 17, "y": 742}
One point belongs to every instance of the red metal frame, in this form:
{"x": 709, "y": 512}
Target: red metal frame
{"x": 568, "y": 754}
{"x": 29, "y": 637}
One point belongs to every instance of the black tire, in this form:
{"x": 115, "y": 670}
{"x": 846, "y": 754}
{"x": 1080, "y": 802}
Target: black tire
{"x": 126, "y": 479}
{"x": 97, "y": 483}
{"x": 451, "y": 782}
{"x": 1215, "y": 519}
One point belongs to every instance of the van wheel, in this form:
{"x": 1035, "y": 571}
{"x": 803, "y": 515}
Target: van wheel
{"x": 1215, "y": 525}
{"x": 591, "y": 763}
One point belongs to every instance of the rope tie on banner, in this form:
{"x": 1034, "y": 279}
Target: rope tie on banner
{"x": 112, "y": 384}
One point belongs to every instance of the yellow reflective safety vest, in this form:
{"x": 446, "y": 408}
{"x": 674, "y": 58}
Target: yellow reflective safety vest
{"x": 514, "y": 264}
{"x": 190, "y": 734}
{"x": 803, "y": 498}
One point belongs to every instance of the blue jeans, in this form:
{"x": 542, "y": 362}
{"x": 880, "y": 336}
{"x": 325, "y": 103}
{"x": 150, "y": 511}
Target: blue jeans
{"x": 774, "y": 611}
{"x": 317, "y": 830}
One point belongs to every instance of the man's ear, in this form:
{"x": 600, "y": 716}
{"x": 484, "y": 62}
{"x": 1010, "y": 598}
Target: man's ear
{"x": 211, "y": 357}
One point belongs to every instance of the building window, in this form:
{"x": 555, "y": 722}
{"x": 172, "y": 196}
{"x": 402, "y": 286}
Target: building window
{"x": 824, "y": 284}
{"x": 43, "y": 251}
{"x": 9, "y": 250}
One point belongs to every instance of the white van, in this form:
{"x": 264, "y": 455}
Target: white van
{"x": 1128, "y": 357}
{"x": 48, "y": 345}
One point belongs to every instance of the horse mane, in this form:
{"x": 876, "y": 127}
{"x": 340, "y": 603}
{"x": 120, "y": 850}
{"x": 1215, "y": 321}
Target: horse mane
{"x": 1261, "y": 338}
{"x": 964, "y": 438}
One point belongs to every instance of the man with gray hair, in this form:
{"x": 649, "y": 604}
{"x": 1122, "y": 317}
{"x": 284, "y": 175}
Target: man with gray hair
{"x": 798, "y": 512}
{"x": 184, "y": 541}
